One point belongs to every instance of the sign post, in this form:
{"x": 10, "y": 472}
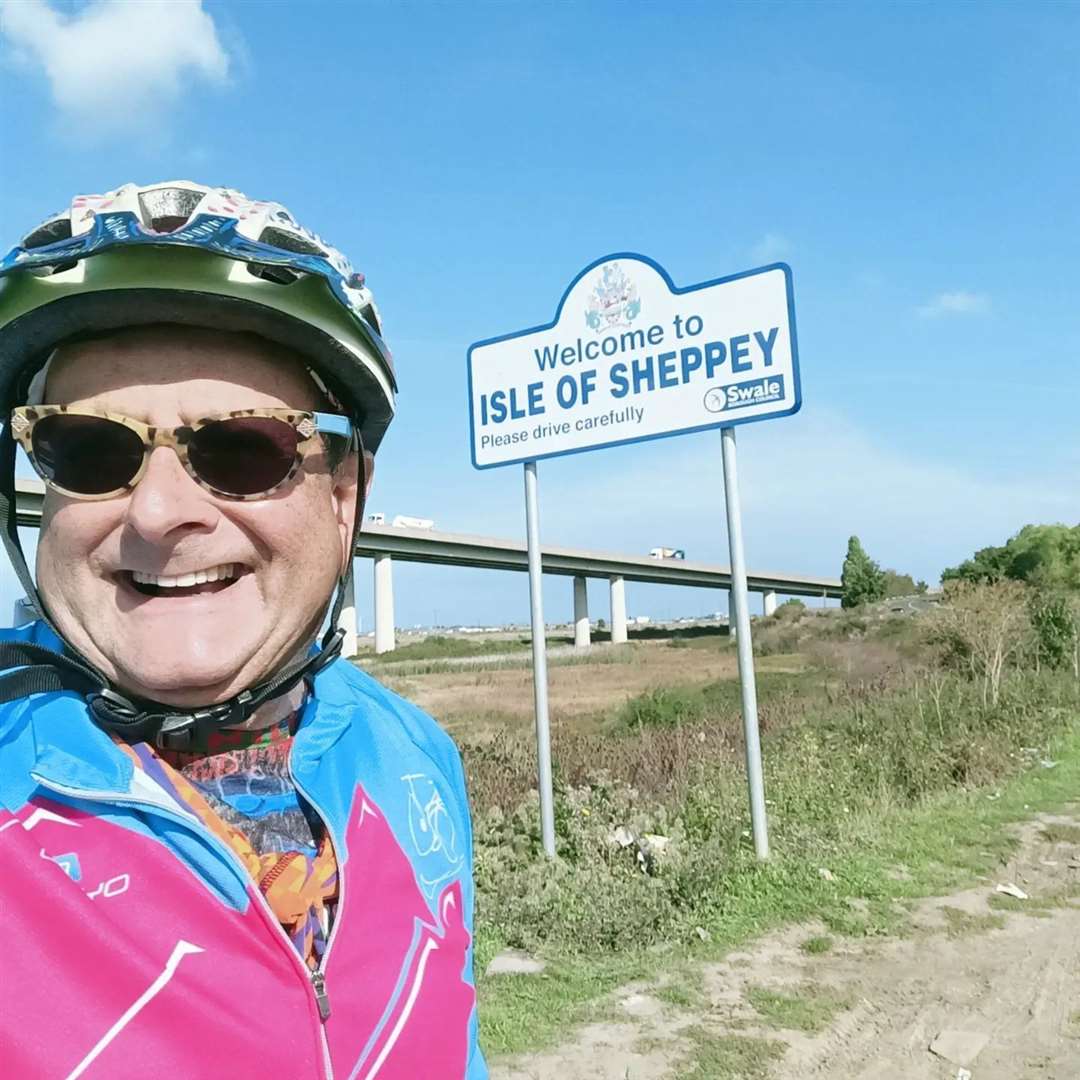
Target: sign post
{"x": 743, "y": 646}
{"x": 630, "y": 357}
{"x": 539, "y": 655}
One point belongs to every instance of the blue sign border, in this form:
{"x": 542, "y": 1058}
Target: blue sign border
{"x": 676, "y": 291}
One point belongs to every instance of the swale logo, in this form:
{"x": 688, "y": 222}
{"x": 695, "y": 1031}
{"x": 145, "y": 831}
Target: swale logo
{"x": 741, "y": 395}
{"x": 614, "y": 301}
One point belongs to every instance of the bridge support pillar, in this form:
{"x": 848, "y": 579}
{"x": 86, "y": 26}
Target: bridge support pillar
{"x": 618, "y": 611}
{"x": 582, "y": 639}
{"x": 768, "y": 602}
{"x": 384, "y": 604}
{"x": 347, "y": 619}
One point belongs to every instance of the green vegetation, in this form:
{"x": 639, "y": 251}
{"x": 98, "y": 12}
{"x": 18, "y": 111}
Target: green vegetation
{"x": 816, "y": 945}
{"x": 809, "y": 1011}
{"x": 443, "y": 647}
{"x": 731, "y": 1057}
{"x": 897, "y": 584}
{"x": 960, "y": 923}
{"x": 1047, "y": 556}
{"x": 518, "y": 660}
{"x": 1061, "y": 834}
{"x": 868, "y": 767}
{"x": 862, "y": 579}
{"x": 864, "y": 582}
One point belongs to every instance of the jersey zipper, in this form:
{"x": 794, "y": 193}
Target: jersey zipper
{"x": 318, "y": 976}
{"x": 313, "y": 979}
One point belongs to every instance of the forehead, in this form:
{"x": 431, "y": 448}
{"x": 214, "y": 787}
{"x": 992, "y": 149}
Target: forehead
{"x": 158, "y": 360}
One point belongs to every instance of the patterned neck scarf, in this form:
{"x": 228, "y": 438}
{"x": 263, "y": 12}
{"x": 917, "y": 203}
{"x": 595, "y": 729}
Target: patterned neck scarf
{"x": 237, "y": 784}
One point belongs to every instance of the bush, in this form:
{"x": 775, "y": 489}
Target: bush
{"x": 663, "y": 707}
{"x": 1055, "y": 620}
{"x": 980, "y": 628}
{"x": 791, "y": 610}
{"x": 838, "y": 760}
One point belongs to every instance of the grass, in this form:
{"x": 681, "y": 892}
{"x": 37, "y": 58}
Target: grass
{"x": 817, "y": 945}
{"x": 682, "y": 988}
{"x": 945, "y": 841}
{"x": 520, "y": 660}
{"x": 962, "y": 923}
{"x": 875, "y": 758}
{"x": 681, "y": 705}
{"x": 809, "y": 1011}
{"x": 442, "y": 647}
{"x": 730, "y": 1057}
{"x": 1061, "y": 834}
{"x": 1039, "y": 905}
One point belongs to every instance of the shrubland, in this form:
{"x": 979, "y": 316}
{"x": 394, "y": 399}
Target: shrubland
{"x": 889, "y": 716}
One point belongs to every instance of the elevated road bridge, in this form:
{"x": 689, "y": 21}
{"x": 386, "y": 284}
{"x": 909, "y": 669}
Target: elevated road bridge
{"x": 384, "y": 543}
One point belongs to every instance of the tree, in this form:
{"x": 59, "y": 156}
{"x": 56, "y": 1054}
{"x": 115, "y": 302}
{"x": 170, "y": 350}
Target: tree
{"x": 1044, "y": 555}
{"x": 897, "y": 584}
{"x": 862, "y": 579}
{"x": 980, "y": 627}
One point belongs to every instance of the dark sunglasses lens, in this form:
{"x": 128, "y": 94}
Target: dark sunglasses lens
{"x": 245, "y": 455}
{"x": 88, "y": 455}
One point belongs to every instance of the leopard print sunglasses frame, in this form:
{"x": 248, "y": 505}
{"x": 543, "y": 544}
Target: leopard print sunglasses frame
{"x": 307, "y": 425}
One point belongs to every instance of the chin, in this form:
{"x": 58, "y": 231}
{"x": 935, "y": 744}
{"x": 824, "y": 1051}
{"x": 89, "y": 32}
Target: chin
{"x": 184, "y": 681}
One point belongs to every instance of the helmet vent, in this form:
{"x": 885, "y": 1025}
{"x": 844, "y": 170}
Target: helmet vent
{"x": 164, "y": 210}
{"x": 280, "y": 275}
{"x": 51, "y": 232}
{"x": 367, "y": 313}
{"x": 289, "y": 241}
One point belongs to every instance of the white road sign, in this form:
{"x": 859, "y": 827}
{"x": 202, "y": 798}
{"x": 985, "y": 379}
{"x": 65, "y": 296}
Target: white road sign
{"x": 631, "y": 357}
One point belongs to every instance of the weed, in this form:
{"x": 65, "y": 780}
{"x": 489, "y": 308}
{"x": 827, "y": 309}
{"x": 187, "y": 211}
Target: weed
{"x": 961, "y": 923}
{"x": 1040, "y": 907}
{"x": 870, "y": 764}
{"x": 809, "y": 1011}
{"x": 683, "y": 990}
{"x": 821, "y": 943}
{"x": 1061, "y": 834}
{"x": 730, "y": 1057}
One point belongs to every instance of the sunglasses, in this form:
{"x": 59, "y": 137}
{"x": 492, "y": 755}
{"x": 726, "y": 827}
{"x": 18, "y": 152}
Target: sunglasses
{"x": 247, "y": 454}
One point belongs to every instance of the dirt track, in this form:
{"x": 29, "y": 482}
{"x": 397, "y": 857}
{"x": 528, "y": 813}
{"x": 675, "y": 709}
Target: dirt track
{"x": 1012, "y": 993}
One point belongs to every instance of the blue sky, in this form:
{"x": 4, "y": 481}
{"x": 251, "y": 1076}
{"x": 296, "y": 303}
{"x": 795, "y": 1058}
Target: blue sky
{"x": 916, "y": 165}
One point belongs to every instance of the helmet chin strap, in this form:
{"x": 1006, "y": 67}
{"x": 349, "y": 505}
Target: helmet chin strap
{"x": 135, "y": 719}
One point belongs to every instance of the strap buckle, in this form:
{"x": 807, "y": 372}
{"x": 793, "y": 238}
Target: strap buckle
{"x": 177, "y": 730}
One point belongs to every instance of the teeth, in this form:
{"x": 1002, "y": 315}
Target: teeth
{"x": 183, "y": 581}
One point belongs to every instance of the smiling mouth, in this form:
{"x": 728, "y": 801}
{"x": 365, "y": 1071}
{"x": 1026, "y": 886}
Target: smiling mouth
{"x": 214, "y": 579}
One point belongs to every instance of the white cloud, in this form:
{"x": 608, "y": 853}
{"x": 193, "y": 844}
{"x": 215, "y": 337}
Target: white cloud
{"x": 770, "y": 247}
{"x": 955, "y": 303}
{"x": 114, "y": 64}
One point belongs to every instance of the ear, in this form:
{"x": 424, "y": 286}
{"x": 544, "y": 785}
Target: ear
{"x": 369, "y": 473}
{"x": 344, "y": 496}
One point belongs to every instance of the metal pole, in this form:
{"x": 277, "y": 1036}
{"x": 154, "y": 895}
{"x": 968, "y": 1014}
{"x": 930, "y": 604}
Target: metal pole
{"x": 744, "y": 646}
{"x": 539, "y": 655}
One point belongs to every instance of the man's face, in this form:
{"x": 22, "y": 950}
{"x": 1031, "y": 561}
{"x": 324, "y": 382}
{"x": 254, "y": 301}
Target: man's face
{"x": 202, "y": 644}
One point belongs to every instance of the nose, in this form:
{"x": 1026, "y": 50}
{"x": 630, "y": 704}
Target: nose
{"x": 167, "y": 504}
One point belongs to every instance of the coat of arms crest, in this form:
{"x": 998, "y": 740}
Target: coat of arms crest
{"x": 614, "y": 301}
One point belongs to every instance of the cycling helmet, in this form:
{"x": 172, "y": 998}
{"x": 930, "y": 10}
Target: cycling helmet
{"x": 179, "y": 252}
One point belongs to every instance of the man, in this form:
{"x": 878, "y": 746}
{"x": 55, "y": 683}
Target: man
{"x": 226, "y": 851}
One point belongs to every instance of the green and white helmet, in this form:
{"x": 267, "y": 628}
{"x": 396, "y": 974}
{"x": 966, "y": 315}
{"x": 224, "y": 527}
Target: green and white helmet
{"x": 180, "y": 252}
